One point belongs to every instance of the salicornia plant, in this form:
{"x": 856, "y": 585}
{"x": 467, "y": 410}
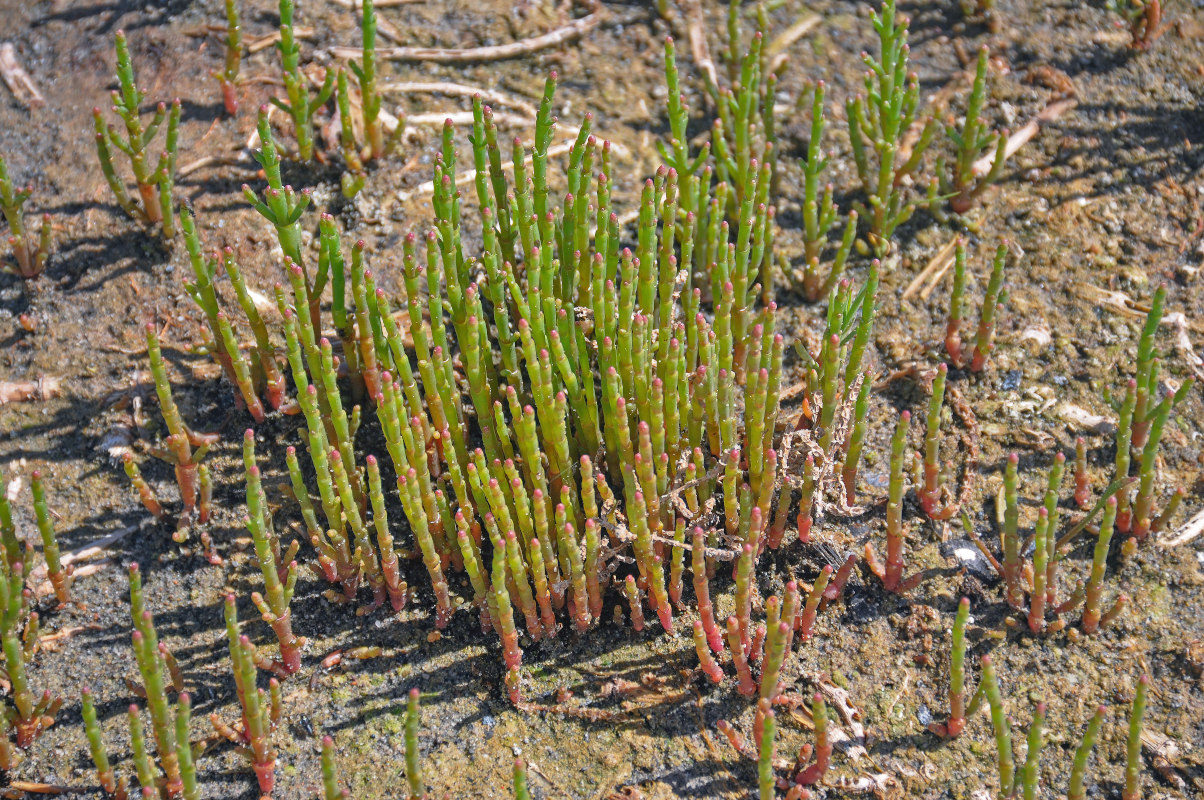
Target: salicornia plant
{"x": 260, "y": 710}
{"x": 30, "y": 715}
{"x": 1142, "y": 420}
{"x": 879, "y": 119}
{"x": 227, "y": 76}
{"x": 984, "y": 337}
{"x": 378, "y": 144}
{"x": 963, "y": 184}
{"x": 300, "y": 106}
{"x": 1144, "y": 18}
{"x": 184, "y": 448}
{"x": 30, "y": 252}
{"x": 154, "y": 171}
{"x": 820, "y": 212}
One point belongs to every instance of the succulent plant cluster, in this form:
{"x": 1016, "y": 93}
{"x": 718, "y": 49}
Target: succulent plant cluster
{"x": 562, "y": 415}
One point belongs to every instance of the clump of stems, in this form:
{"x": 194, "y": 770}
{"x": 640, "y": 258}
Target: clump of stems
{"x": 1143, "y": 418}
{"x": 154, "y": 173}
{"x": 169, "y": 726}
{"x": 837, "y": 386}
{"x": 984, "y": 338}
{"x": 29, "y": 251}
{"x": 262, "y": 374}
{"x": 227, "y": 76}
{"x": 260, "y": 710}
{"x": 879, "y": 119}
{"x": 30, "y": 715}
{"x": 963, "y": 184}
{"x": 300, "y": 106}
{"x": 1032, "y": 586}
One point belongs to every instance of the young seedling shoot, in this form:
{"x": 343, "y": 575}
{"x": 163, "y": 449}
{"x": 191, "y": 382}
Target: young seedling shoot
{"x": 804, "y": 771}
{"x": 113, "y": 785}
{"x": 154, "y": 172}
{"x": 957, "y": 677}
{"x": 1133, "y": 763}
{"x": 227, "y": 76}
{"x": 878, "y": 120}
{"x": 30, "y": 715}
{"x": 1078, "y": 770}
{"x": 963, "y": 185}
{"x": 1094, "y": 617}
{"x": 932, "y": 493}
{"x": 300, "y": 107}
{"x": 30, "y": 252}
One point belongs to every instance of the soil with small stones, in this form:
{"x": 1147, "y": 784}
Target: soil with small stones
{"x": 1104, "y": 204}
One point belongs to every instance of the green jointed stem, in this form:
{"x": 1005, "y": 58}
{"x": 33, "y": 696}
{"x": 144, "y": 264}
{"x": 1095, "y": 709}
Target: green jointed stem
{"x": 413, "y": 769}
{"x": 60, "y": 576}
{"x": 153, "y": 178}
{"x": 31, "y": 255}
{"x": 1003, "y": 731}
{"x": 1031, "y": 774}
{"x": 765, "y": 779}
{"x": 1132, "y": 788}
{"x": 521, "y": 792}
{"x": 984, "y": 339}
{"x": 227, "y": 77}
{"x": 96, "y": 744}
{"x": 299, "y": 106}
{"x": 974, "y": 138}
{"x": 330, "y": 782}
{"x": 1092, "y": 609}
{"x": 1075, "y": 790}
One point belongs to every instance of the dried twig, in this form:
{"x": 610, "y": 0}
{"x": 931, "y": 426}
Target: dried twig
{"x": 43, "y": 388}
{"x": 459, "y": 90}
{"x": 1190, "y": 531}
{"x": 776, "y": 49}
{"x": 1021, "y": 137}
{"x": 469, "y": 55}
{"x": 18, "y": 80}
{"x": 698, "y": 41}
{"x": 933, "y": 271}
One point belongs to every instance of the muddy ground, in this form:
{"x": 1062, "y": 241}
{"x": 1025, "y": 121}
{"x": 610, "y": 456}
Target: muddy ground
{"x": 1104, "y": 203}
